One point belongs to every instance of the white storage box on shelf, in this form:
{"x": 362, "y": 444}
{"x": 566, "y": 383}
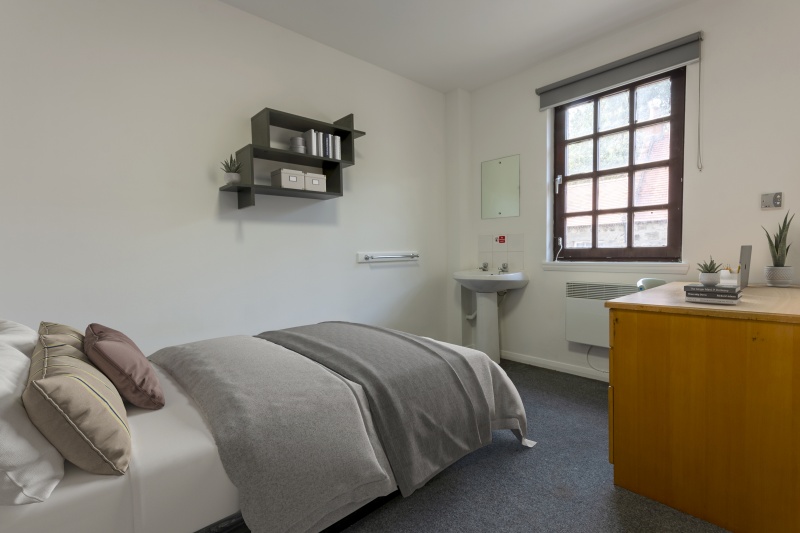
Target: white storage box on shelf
{"x": 287, "y": 178}
{"x": 315, "y": 182}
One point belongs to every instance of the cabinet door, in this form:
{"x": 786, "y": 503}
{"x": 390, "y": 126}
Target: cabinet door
{"x": 704, "y": 416}
{"x": 611, "y": 424}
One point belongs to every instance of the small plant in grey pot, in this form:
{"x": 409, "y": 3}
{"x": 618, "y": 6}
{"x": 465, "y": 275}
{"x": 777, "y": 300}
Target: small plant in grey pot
{"x": 779, "y": 275}
{"x": 232, "y": 167}
{"x": 709, "y": 272}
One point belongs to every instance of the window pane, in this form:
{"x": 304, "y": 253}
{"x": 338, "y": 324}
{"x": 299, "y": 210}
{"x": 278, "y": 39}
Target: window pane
{"x": 651, "y": 186}
{"x": 613, "y": 111}
{"x": 612, "y": 230}
{"x": 579, "y": 232}
{"x": 613, "y": 150}
{"x": 579, "y": 157}
{"x": 653, "y": 100}
{"x": 579, "y": 195}
{"x": 650, "y": 228}
{"x": 651, "y": 143}
{"x": 580, "y": 120}
{"x": 612, "y": 191}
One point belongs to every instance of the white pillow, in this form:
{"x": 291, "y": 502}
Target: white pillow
{"x": 18, "y": 336}
{"x": 30, "y": 467}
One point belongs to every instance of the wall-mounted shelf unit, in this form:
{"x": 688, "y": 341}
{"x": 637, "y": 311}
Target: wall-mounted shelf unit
{"x": 261, "y": 148}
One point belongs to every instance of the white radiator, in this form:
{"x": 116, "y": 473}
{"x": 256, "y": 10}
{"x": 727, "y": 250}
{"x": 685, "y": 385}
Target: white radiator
{"x": 587, "y": 318}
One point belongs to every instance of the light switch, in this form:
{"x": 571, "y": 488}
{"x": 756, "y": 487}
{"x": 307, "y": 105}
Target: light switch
{"x": 773, "y": 200}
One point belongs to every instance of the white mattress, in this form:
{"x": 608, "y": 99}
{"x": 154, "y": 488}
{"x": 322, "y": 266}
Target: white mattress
{"x": 175, "y": 481}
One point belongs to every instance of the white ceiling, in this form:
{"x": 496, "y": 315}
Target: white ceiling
{"x": 452, "y": 44}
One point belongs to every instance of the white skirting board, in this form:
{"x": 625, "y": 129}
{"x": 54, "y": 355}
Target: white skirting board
{"x": 554, "y": 365}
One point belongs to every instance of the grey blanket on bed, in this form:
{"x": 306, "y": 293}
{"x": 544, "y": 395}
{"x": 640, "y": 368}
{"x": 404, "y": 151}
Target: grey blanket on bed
{"x": 426, "y": 399}
{"x": 299, "y": 439}
{"x": 294, "y": 438}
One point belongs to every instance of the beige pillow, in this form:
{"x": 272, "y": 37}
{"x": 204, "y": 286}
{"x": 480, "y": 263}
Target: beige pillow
{"x": 74, "y": 405}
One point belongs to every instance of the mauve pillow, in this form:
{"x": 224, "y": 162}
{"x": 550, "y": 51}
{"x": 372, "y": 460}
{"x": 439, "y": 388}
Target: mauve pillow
{"x": 125, "y": 365}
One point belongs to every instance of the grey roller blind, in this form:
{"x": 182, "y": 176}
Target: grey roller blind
{"x": 670, "y": 55}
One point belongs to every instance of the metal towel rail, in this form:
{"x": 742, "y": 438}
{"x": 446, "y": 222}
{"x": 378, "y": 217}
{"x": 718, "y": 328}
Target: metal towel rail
{"x": 380, "y": 257}
{"x": 398, "y": 256}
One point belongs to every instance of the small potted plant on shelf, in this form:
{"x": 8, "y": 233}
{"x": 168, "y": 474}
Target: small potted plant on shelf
{"x": 709, "y": 272}
{"x": 232, "y": 167}
{"x": 779, "y": 275}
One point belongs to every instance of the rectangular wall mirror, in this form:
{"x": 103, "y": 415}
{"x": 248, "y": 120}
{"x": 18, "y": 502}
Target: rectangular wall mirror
{"x": 500, "y": 187}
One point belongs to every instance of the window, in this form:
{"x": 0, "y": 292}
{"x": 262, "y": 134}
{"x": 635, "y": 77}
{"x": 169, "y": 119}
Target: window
{"x": 619, "y": 172}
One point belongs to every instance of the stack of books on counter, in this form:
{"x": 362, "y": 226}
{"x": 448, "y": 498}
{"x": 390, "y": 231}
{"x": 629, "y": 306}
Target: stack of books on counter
{"x": 718, "y": 294}
{"x": 323, "y": 144}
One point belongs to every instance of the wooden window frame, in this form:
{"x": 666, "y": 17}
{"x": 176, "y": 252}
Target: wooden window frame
{"x": 674, "y": 205}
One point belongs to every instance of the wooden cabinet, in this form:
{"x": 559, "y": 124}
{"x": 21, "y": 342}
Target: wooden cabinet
{"x": 262, "y": 148}
{"x": 704, "y": 405}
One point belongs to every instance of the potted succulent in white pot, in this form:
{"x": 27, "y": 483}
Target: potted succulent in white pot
{"x": 709, "y": 272}
{"x": 779, "y": 275}
{"x": 232, "y": 167}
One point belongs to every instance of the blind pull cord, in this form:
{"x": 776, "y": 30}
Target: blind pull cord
{"x": 699, "y": 113}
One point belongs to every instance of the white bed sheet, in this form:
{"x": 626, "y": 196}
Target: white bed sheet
{"x": 175, "y": 481}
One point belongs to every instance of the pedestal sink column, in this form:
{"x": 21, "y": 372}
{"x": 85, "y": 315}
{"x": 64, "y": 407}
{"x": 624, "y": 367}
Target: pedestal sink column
{"x": 486, "y": 285}
{"x": 487, "y": 331}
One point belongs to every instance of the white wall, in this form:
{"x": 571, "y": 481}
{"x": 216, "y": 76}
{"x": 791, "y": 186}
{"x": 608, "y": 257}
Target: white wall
{"x": 459, "y": 209}
{"x": 115, "y": 115}
{"x": 749, "y": 121}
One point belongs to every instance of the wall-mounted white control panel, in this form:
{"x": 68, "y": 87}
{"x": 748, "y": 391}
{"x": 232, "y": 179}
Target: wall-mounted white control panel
{"x": 773, "y": 200}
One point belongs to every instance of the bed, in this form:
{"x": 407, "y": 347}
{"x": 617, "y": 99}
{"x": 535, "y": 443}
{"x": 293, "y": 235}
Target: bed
{"x": 185, "y": 455}
{"x": 175, "y": 482}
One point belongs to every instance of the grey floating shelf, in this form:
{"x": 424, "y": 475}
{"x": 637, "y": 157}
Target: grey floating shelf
{"x": 278, "y": 191}
{"x": 260, "y": 149}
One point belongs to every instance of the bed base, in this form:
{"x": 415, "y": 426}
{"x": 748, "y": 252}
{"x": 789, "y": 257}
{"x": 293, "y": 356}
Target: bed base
{"x": 235, "y": 523}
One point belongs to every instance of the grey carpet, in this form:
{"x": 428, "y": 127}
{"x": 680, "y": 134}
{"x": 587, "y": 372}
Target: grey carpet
{"x": 564, "y": 483}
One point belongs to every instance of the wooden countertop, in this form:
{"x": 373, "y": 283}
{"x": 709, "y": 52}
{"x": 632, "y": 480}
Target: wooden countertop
{"x": 759, "y": 302}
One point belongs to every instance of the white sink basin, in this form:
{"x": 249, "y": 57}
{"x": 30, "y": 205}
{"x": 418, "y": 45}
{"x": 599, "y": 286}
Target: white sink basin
{"x": 486, "y": 281}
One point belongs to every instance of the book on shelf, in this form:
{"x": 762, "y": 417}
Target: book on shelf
{"x": 326, "y": 145}
{"x": 337, "y": 147}
{"x": 716, "y": 289}
{"x": 320, "y": 147}
{"x": 714, "y": 295}
{"x": 716, "y": 301}
{"x": 310, "y": 137}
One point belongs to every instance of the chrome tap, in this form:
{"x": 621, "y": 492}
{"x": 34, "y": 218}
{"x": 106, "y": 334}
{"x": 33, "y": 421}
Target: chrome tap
{"x": 503, "y": 268}
{"x": 484, "y": 267}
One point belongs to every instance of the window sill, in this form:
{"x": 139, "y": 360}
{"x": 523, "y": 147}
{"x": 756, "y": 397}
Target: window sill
{"x": 611, "y": 266}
